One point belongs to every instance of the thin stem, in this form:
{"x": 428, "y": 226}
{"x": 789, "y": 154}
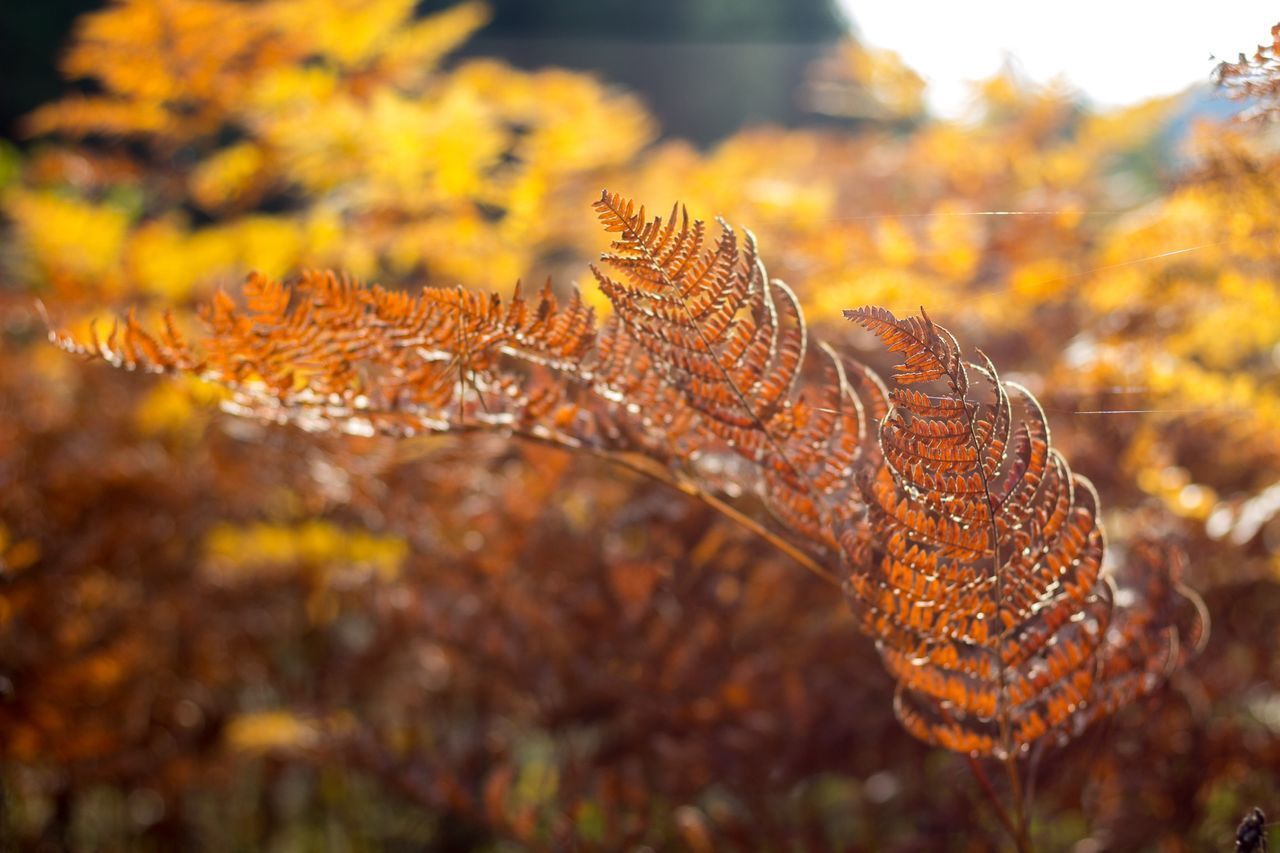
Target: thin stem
{"x": 651, "y": 469}
{"x": 989, "y": 792}
{"x": 1009, "y": 757}
{"x": 1020, "y": 838}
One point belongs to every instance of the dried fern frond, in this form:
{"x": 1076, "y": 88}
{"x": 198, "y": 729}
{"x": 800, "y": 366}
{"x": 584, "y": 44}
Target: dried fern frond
{"x": 974, "y": 554}
{"x": 981, "y": 578}
{"x": 700, "y": 361}
{"x": 726, "y": 344}
{"x": 328, "y": 353}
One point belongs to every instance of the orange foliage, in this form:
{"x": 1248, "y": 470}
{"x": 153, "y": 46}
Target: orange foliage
{"x": 217, "y": 632}
{"x": 973, "y": 559}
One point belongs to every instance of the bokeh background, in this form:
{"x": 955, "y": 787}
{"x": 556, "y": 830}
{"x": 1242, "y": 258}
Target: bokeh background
{"x": 219, "y": 634}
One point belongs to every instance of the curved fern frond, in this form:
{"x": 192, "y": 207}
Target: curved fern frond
{"x": 974, "y": 555}
{"x": 729, "y": 344}
{"x": 983, "y": 581}
{"x": 701, "y": 360}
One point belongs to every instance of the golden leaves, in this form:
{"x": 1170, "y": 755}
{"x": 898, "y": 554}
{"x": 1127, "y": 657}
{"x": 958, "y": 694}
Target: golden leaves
{"x": 233, "y": 552}
{"x": 335, "y": 116}
{"x": 70, "y": 240}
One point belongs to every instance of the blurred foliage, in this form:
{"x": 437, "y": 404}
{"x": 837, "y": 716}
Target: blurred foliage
{"x": 1255, "y": 78}
{"x": 223, "y": 633}
{"x": 288, "y": 133}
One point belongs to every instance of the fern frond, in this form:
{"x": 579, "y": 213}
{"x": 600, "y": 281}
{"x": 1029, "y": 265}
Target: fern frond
{"x": 973, "y": 553}
{"x": 931, "y": 353}
{"x": 329, "y": 353}
{"x": 983, "y": 581}
{"x": 731, "y": 343}
{"x": 702, "y": 358}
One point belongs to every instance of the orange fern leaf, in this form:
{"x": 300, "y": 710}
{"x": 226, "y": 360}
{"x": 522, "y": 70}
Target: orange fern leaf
{"x": 729, "y": 344}
{"x": 328, "y": 353}
{"x": 974, "y": 554}
{"x": 1255, "y": 78}
{"x": 982, "y": 576}
{"x": 701, "y": 361}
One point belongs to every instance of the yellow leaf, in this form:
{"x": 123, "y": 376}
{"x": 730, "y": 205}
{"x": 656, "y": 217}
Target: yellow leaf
{"x": 271, "y": 730}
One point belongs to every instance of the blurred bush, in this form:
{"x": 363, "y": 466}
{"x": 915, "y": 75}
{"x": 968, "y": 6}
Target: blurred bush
{"x": 235, "y": 635}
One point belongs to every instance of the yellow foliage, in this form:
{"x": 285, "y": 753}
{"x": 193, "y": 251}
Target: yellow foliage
{"x": 290, "y": 87}
{"x": 1040, "y": 280}
{"x": 955, "y": 241}
{"x": 227, "y": 176}
{"x": 176, "y": 408}
{"x": 417, "y": 48}
{"x": 346, "y": 32}
{"x": 1194, "y": 276}
{"x": 353, "y": 147}
{"x": 894, "y": 244}
{"x": 1248, "y": 305}
{"x": 573, "y": 121}
{"x": 398, "y": 166}
{"x": 865, "y": 82}
{"x": 69, "y": 242}
{"x": 271, "y": 730}
{"x": 88, "y": 114}
{"x": 166, "y": 259}
{"x": 1124, "y": 129}
{"x": 187, "y": 60}
{"x": 388, "y": 151}
{"x": 234, "y": 552}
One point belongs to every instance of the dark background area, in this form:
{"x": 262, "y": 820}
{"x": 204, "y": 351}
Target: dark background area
{"x": 32, "y": 36}
{"x": 705, "y": 67}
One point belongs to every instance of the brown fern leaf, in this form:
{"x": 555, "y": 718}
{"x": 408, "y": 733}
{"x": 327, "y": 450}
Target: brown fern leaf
{"x": 974, "y": 553}
{"x": 700, "y": 362}
{"x": 1158, "y": 623}
{"x": 982, "y": 581}
{"x": 729, "y": 344}
{"x": 328, "y": 353}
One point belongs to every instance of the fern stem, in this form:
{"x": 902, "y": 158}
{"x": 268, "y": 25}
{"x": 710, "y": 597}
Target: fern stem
{"x": 1009, "y": 757}
{"x": 1020, "y": 837}
{"x": 729, "y": 511}
{"x": 989, "y": 791}
{"x": 646, "y": 467}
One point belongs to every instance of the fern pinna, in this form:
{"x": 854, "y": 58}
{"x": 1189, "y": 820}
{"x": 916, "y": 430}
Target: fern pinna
{"x": 971, "y": 553}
